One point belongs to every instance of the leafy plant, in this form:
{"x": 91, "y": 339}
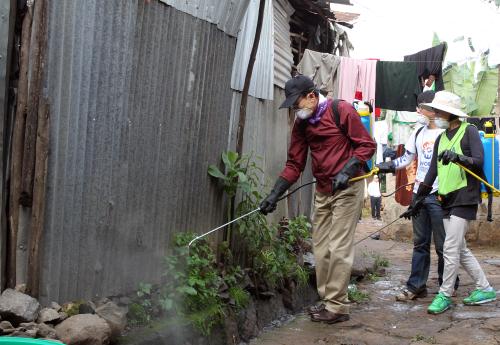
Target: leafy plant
{"x": 380, "y": 261}
{"x": 138, "y": 315}
{"x": 192, "y": 289}
{"x": 356, "y": 295}
{"x": 240, "y": 297}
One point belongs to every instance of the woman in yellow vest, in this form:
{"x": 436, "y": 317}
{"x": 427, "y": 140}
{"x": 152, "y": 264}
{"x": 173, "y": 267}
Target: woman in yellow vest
{"x": 460, "y": 194}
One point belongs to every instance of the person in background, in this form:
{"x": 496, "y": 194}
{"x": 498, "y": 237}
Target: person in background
{"x": 428, "y": 222}
{"x": 375, "y": 197}
{"x": 459, "y": 193}
{"x": 339, "y": 150}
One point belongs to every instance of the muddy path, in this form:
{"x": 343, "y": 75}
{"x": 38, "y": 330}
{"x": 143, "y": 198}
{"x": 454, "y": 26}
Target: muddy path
{"x": 382, "y": 320}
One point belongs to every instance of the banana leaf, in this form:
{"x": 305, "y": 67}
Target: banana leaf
{"x": 478, "y": 93}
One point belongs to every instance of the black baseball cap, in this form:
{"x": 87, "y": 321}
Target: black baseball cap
{"x": 294, "y": 88}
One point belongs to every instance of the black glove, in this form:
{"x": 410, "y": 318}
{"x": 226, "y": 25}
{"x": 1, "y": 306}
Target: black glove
{"x": 268, "y": 205}
{"x": 417, "y": 203}
{"x": 447, "y": 156}
{"x": 386, "y": 167}
{"x": 341, "y": 180}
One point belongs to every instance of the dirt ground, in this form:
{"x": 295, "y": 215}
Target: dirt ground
{"x": 382, "y": 320}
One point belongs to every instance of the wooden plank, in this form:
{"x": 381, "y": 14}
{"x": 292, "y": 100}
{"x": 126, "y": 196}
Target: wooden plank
{"x": 38, "y": 211}
{"x": 18, "y": 147}
{"x": 38, "y": 54}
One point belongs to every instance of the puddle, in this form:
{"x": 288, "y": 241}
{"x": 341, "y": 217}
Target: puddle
{"x": 285, "y": 319}
{"x": 405, "y": 307}
{"x": 384, "y": 284}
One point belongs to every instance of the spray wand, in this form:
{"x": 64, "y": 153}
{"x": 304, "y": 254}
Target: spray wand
{"x": 354, "y": 179}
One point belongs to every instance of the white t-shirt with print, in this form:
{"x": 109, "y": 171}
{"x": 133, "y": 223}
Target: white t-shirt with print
{"x": 424, "y": 148}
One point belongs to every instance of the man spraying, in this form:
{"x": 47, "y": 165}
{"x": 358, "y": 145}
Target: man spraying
{"x": 339, "y": 150}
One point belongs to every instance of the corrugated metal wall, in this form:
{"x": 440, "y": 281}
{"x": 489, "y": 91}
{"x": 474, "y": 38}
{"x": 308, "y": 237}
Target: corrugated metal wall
{"x": 226, "y": 14}
{"x": 274, "y": 59}
{"x": 283, "y": 57}
{"x": 261, "y": 85}
{"x": 140, "y": 98}
{"x": 267, "y": 135}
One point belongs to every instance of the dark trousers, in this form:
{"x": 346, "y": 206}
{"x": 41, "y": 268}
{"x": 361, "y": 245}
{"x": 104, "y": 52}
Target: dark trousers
{"x": 427, "y": 224}
{"x": 375, "y": 203}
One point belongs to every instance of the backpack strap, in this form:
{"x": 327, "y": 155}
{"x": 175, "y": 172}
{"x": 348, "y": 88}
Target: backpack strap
{"x": 416, "y": 135}
{"x": 336, "y": 119}
{"x": 336, "y": 115}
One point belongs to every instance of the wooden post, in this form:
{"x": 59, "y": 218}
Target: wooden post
{"x": 248, "y": 77}
{"x": 38, "y": 212}
{"x": 39, "y": 20}
{"x": 17, "y": 147}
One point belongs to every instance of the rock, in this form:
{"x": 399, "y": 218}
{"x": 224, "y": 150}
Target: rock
{"x": 46, "y": 331}
{"x": 125, "y": 301}
{"x": 55, "y": 306}
{"x": 84, "y": 329}
{"x": 29, "y": 329}
{"x": 48, "y": 315}
{"x": 362, "y": 265}
{"x": 247, "y": 322}
{"x": 23, "y": 334}
{"x": 101, "y": 302}
{"x": 86, "y": 308}
{"x": 115, "y": 316}
{"x": 20, "y": 288}
{"x": 18, "y": 307}
{"x": 62, "y": 316}
{"x": 6, "y": 327}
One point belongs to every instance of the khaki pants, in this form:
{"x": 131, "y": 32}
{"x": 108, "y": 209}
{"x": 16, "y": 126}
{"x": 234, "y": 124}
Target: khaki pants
{"x": 456, "y": 253}
{"x": 334, "y": 222}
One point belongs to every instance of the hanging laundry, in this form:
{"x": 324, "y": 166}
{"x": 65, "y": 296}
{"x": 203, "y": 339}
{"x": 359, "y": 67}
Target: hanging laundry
{"x": 322, "y": 68}
{"x": 397, "y": 85}
{"x": 430, "y": 62}
{"x": 357, "y": 76}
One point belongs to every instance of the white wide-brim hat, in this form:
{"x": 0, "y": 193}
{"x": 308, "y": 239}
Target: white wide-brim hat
{"x": 447, "y": 102}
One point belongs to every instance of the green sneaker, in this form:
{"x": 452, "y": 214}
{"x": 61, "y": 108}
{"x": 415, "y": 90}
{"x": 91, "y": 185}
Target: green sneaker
{"x": 480, "y": 296}
{"x": 439, "y": 304}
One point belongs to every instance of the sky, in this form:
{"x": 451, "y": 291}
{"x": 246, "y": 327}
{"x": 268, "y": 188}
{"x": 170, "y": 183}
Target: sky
{"x": 390, "y": 29}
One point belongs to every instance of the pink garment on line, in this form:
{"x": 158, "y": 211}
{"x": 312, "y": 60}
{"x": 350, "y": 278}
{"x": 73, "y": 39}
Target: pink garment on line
{"x": 356, "y": 74}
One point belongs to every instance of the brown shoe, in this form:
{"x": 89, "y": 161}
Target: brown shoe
{"x": 329, "y": 317}
{"x": 407, "y": 295}
{"x": 315, "y": 309}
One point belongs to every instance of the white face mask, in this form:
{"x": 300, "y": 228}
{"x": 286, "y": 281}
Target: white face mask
{"x": 304, "y": 113}
{"x": 441, "y": 123}
{"x": 423, "y": 120}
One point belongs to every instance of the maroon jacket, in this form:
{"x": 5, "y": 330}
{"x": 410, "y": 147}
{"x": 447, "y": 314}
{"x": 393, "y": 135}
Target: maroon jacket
{"x": 330, "y": 148}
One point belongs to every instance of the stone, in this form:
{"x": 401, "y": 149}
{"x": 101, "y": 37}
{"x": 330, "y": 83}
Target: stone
{"x": 46, "y": 331}
{"x": 362, "y": 265}
{"x": 247, "y": 322}
{"x": 6, "y": 327}
{"x": 18, "y": 307}
{"x": 86, "y": 308}
{"x": 48, "y": 315}
{"x": 55, "y": 306}
{"x": 20, "y": 288}
{"x": 62, "y": 316}
{"x": 115, "y": 316}
{"x": 84, "y": 329}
